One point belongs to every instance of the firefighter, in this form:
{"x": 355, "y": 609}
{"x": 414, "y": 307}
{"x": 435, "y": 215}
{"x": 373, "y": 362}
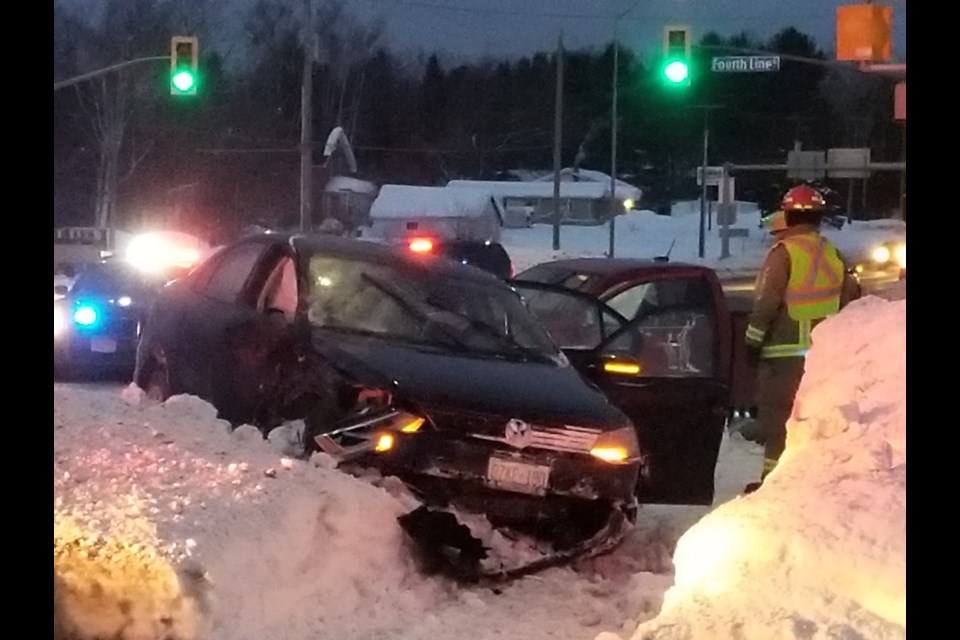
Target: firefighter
{"x": 803, "y": 279}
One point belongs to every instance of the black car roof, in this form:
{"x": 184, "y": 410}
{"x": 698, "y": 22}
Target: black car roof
{"x": 378, "y": 252}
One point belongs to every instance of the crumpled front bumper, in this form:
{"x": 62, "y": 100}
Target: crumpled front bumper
{"x": 460, "y": 466}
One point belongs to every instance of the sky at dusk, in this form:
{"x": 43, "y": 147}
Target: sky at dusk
{"x": 477, "y": 28}
{"x": 465, "y": 30}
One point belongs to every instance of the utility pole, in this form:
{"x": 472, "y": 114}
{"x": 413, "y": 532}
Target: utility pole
{"x": 613, "y": 129}
{"x": 306, "y": 121}
{"x": 613, "y": 143}
{"x": 557, "y": 140}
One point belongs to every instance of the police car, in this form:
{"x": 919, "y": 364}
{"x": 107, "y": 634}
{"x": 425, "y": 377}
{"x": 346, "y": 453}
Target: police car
{"x": 97, "y": 322}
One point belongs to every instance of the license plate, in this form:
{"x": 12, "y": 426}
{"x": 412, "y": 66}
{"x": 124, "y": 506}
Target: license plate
{"x": 103, "y": 345}
{"x": 518, "y": 476}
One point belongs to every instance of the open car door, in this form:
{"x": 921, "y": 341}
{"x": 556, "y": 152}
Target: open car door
{"x": 664, "y": 362}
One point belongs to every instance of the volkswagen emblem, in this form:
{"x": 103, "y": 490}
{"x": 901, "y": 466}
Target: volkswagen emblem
{"x": 519, "y": 434}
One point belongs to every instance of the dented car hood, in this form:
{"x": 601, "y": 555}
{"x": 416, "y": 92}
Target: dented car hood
{"x": 547, "y": 392}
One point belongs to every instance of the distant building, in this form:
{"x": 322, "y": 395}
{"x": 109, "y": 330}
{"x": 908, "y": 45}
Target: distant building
{"x": 401, "y": 211}
{"x": 582, "y": 201}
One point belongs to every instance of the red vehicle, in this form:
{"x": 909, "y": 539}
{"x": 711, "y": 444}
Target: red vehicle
{"x": 662, "y": 342}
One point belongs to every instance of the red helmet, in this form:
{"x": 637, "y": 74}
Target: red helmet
{"x": 803, "y": 198}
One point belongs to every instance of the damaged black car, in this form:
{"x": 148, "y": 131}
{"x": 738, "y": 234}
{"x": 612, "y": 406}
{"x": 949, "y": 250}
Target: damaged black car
{"x": 426, "y": 369}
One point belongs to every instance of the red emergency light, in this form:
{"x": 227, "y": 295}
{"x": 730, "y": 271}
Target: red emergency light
{"x": 420, "y": 245}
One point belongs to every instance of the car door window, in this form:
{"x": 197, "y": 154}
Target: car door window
{"x": 672, "y": 332}
{"x": 627, "y": 303}
{"x": 228, "y": 278}
{"x": 574, "y": 322}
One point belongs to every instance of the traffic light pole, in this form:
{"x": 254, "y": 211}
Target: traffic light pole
{"x": 703, "y": 176}
{"x": 703, "y": 185}
{"x": 613, "y": 129}
{"x": 100, "y": 72}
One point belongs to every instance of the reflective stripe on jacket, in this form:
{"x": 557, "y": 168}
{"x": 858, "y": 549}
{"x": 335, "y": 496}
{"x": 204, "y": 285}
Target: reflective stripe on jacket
{"x": 816, "y": 277}
{"x": 801, "y": 281}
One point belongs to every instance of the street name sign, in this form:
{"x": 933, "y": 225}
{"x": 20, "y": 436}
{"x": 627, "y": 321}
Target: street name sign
{"x": 744, "y": 64}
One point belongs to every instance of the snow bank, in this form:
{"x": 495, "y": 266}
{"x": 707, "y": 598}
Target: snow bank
{"x": 820, "y": 550}
{"x": 284, "y": 548}
{"x": 168, "y": 526}
{"x": 640, "y": 234}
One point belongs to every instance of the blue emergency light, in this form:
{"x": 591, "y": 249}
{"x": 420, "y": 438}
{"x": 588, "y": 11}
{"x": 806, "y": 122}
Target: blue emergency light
{"x": 85, "y": 315}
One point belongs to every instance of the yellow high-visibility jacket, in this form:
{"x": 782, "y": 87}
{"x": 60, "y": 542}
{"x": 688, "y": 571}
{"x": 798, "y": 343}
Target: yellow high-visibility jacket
{"x": 803, "y": 279}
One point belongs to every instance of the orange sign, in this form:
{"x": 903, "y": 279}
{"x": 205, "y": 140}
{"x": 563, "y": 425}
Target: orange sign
{"x": 864, "y": 33}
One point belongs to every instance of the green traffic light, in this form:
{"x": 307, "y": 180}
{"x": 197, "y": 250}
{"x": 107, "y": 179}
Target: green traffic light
{"x": 676, "y": 71}
{"x": 183, "y": 80}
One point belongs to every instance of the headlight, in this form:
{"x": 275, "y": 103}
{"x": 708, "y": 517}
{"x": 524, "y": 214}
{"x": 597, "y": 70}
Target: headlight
{"x": 617, "y": 446}
{"x": 881, "y": 254}
{"x": 902, "y": 256}
{"x": 384, "y": 443}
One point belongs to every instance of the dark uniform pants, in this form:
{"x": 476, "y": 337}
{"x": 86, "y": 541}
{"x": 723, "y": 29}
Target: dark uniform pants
{"x": 777, "y": 383}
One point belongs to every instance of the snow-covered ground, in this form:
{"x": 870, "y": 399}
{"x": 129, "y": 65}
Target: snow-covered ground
{"x": 167, "y": 525}
{"x": 644, "y": 234}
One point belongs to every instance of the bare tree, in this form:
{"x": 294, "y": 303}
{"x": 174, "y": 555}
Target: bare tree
{"x": 109, "y": 32}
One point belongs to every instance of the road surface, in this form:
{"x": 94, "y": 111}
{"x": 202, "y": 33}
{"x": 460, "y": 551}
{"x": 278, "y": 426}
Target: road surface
{"x": 870, "y": 280}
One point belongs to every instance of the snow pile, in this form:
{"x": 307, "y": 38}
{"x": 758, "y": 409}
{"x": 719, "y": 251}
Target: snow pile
{"x": 278, "y": 547}
{"x": 169, "y": 526}
{"x": 644, "y": 234}
{"x": 820, "y": 550}
{"x": 639, "y": 234}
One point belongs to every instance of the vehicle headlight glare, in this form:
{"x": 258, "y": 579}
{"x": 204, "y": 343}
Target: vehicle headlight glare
{"x": 616, "y": 446}
{"x": 902, "y": 256}
{"x": 881, "y": 254}
{"x": 384, "y": 442}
